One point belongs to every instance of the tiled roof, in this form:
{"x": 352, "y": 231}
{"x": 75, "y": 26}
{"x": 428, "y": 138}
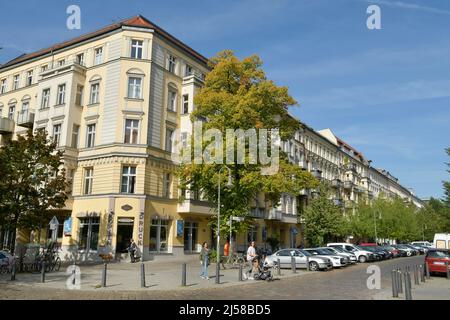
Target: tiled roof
{"x": 137, "y": 21}
{"x": 356, "y": 152}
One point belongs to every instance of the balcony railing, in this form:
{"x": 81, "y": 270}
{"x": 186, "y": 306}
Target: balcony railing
{"x": 6, "y": 126}
{"x": 336, "y": 183}
{"x": 348, "y": 184}
{"x": 258, "y": 213}
{"x": 359, "y": 189}
{"x": 25, "y": 118}
{"x": 274, "y": 214}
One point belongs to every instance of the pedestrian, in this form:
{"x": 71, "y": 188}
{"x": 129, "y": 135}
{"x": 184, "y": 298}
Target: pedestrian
{"x": 251, "y": 256}
{"x": 204, "y": 261}
{"x": 226, "y": 248}
{"x": 132, "y": 250}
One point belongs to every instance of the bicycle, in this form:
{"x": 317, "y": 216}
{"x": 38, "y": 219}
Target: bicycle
{"x": 233, "y": 261}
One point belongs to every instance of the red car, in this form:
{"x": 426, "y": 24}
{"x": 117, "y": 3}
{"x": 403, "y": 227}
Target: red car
{"x": 368, "y": 244}
{"x": 436, "y": 259}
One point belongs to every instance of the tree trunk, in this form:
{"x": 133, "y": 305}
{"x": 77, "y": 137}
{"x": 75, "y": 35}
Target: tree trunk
{"x": 12, "y": 247}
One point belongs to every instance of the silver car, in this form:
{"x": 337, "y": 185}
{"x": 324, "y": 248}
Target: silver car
{"x": 301, "y": 258}
{"x": 341, "y": 252}
{"x": 338, "y": 261}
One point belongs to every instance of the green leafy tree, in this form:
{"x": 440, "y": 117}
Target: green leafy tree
{"x": 447, "y": 184}
{"x": 32, "y": 182}
{"x": 237, "y": 95}
{"x": 323, "y": 220}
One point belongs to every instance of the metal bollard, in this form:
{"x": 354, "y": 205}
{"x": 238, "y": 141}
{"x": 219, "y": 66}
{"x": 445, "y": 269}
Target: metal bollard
{"x": 183, "y": 275}
{"x": 394, "y": 284}
{"x": 240, "y": 272}
{"x": 399, "y": 281}
{"x": 13, "y": 271}
{"x": 105, "y": 266}
{"x": 307, "y": 264}
{"x": 408, "y": 295}
{"x": 42, "y": 271}
{"x": 279, "y": 267}
{"x": 427, "y": 271}
{"x": 416, "y": 275}
{"x": 448, "y": 270}
{"x": 422, "y": 273}
{"x": 73, "y": 273}
{"x": 293, "y": 266}
{"x": 142, "y": 275}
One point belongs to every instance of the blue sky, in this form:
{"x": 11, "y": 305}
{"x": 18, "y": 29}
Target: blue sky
{"x": 386, "y": 92}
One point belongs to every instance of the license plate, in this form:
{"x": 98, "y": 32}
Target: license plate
{"x": 439, "y": 263}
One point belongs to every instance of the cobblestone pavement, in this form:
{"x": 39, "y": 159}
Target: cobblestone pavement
{"x": 348, "y": 283}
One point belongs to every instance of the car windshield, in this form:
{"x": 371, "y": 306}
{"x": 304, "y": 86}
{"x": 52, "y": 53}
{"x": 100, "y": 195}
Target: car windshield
{"x": 387, "y": 248}
{"x": 339, "y": 249}
{"x": 306, "y": 253}
{"x": 323, "y": 251}
{"x": 439, "y": 254}
{"x": 364, "y": 248}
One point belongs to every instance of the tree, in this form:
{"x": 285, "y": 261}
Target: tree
{"x": 236, "y": 95}
{"x": 447, "y": 183}
{"x": 323, "y": 220}
{"x": 33, "y": 182}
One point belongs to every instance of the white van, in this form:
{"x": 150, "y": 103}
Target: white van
{"x": 442, "y": 241}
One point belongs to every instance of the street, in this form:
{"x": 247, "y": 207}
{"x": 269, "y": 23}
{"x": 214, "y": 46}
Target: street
{"x": 348, "y": 283}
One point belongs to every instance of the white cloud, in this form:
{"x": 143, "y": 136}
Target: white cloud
{"x": 409, "y": 6}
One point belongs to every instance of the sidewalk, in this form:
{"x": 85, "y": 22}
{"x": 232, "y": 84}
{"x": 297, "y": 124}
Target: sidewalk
{"x": 124, "y": 276}
{"x": 436, "y": 288}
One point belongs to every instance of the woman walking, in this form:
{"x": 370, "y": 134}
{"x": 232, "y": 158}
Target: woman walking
{"x": 204, "y": 260}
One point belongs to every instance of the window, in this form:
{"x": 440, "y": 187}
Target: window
{"x": 159, "y": 231}
{"x": 61, "y": 62}
{"x": 169, "y": 140}
{"x": 44, "y": 68}
{"x": 171, "y": 100}
{"x": 12, "y": 111}
{"x": 134, "y": 87}
{"x": 166, "y": 185}
{"x": 75, "y": 133}
{"x": 128, "y": 179}
{"x": 1, "y": 111}
{"x": 88, "y": 234}
{"x": 57, "y": 134}
{"x": 98, "y": 56}
{"x": 185, "y": 104}
{"x": 88, "y": 180}
{"x": 61, "y": 97}
{"x": 80, "y": 58}
{"x": 79, "y": 95}
{"x": 90, "y": 136}
{"x": 45, "y": 98}
{"x": 131, "y": 131}
{"x": 184, "y": 137}
{"x": 25, "y": 107}
{"x": 187, "y": 70}
{"x": 171, "y": 63}
{"x": 252, "y": 234}
{"x": 3, "y": 86}
{"x": 95, "y": 92}
{"x": 30, "y": 78}
{"x": 16, "y": 80}
{"x": 136, "y": 49}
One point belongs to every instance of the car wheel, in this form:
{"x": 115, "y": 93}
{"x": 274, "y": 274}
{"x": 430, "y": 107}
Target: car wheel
{"x": 313, "y": 266}
{"x": 362, "y": 259}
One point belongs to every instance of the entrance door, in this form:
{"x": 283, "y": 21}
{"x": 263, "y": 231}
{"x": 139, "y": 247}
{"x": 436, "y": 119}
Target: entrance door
{"x": 190, "y": 236}
{"x": 124, "y": 234}
{"x": 159, "y": 230}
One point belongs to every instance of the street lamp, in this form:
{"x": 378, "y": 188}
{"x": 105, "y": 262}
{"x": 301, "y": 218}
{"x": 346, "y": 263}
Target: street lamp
{"x": 229, "y": 184}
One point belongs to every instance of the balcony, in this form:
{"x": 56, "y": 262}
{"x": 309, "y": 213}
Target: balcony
{"x": 258, "y": 213}
{"x": 348, "y": 184}
{"x": 336, "y": 183}
{"x": 194, "y": 206}
{"x": 370, "y": 194}
{"x": 359, "y": 189}
{"x": 274, "y": 214}
{"x": 289, "y": 218}
{"x": 57, "y": 69}
{"x": 317, "y": 173}
{"x": 25, "y": 118}
{"x": 6, "y": 126}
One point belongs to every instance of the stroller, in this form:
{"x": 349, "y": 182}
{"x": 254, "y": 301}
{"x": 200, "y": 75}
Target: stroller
{"x": 263, "y": 270}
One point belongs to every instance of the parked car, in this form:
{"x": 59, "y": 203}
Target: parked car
{"x": 441, "y": 241}
{"x": 315, "y": 263}
{"x": 409, "y": 251}
{"x": 422, "y": 250}
{"x": 394, "y": 252}
{"x": 416, "y": 251}
{"x": 436, "y": 259}
{"x": 382, "y": 254}
{"x": 402, "y": 252}
{"x": 362, "y": 255}
{"x": 422, "y": 243}
{"x": 338, "y": 261}
{"x": 342, "y": 252}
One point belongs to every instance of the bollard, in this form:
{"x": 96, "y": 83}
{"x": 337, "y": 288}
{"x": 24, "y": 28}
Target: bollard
{"x": 409, "y": 280}
{"x": 394, "y": 284}
{"x": 399, "y": 281}
{"x": 279, "y": 267}
{"x": 104, "y": 275}
{"x": 427, "y": 271}
{"x": 43, "y": 271}
{"x": 293, "y": 266}
{"x": 448, "y": 270}
{"x": 183, "y": 275}
{"x": 307, "y": 264}
{"x": 13, "y": 270}
{"x": 422, "y": 273}
{"x": 142, "y": 275}
{"x": 408, "y": 295}
{"x": 240, "y": 272}
{"x": 73, "y": 273}
{"x": 416, "y": 275}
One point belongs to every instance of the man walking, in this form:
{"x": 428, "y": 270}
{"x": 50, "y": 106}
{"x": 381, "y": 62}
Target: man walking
{"x": 132, "y": 250}
{"x": 251, "y": 255}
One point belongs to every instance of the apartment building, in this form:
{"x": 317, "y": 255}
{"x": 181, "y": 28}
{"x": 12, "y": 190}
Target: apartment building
{"x": 112, "y": 99}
